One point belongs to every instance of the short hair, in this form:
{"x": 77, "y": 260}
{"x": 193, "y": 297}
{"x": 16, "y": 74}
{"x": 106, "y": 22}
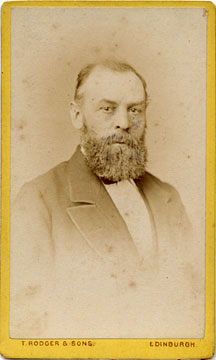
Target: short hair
{"x": 109, "y": 64}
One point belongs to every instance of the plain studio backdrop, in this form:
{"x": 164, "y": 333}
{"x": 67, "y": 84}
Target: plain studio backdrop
{"x": 166, "y": 45}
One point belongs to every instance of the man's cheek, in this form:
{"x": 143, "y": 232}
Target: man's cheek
{"x": 137, "y": 124}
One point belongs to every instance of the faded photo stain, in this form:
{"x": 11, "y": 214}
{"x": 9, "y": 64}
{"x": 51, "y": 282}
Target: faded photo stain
{"x": 55, "y": 26}
{"x": 132, "y": 284}
{"x": 22, "y": 137}
{"x": 32, "y": 290}
{"x": 97, "y": 49}
{"x": 114, "y": 276}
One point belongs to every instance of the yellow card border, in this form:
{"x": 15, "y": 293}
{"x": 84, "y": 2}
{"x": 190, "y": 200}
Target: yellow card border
{"x": 107, "y": 348}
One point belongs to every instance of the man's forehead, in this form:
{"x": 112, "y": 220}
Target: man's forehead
{"x": 104, "y": 82}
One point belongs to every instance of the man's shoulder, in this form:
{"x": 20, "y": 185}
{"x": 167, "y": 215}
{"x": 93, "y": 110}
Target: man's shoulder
{"x": 57, "y": 177}
{"x": 46, "y": 183}
{"x": 163, "y": 196}
{"x": 150, "y": 181}
{"x": 54, "y": 176}
{"x": 166, "y": 201}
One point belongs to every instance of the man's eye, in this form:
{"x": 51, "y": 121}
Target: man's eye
{"x": 107, "y": 109}
{"x": 134, "y": 110}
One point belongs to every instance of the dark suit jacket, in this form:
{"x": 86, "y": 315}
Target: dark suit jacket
{"x": 73, "y": 260}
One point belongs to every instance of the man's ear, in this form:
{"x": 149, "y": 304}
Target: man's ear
{"x": 76, "y": 115}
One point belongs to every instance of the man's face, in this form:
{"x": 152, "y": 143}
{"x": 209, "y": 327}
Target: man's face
{"x": 113, "y": 103}
{"x": 113, "y": 113}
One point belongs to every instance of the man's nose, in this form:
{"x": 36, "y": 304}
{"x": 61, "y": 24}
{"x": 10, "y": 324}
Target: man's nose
{"x": 122, "y": 120}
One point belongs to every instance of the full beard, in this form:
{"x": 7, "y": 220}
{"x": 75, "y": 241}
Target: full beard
{"x": 115, "y": 158}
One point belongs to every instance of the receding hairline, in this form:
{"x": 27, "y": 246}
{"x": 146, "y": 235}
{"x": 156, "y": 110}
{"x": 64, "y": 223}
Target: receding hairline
{"x": 111, "y": 65}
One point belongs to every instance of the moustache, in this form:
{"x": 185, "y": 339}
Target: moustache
{"x": 126, "y": 139}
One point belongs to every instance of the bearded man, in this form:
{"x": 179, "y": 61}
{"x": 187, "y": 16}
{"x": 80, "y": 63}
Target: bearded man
{"x": 100, "y": 248}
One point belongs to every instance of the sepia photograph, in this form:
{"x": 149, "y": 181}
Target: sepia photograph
{"x": 108, "y": 131}
{"x": 107, "y": 228}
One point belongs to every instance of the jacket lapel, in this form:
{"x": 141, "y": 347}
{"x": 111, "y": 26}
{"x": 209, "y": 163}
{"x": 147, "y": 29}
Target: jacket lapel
{"x": 93, "y": 212}
{"x": 157, "y": 200}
